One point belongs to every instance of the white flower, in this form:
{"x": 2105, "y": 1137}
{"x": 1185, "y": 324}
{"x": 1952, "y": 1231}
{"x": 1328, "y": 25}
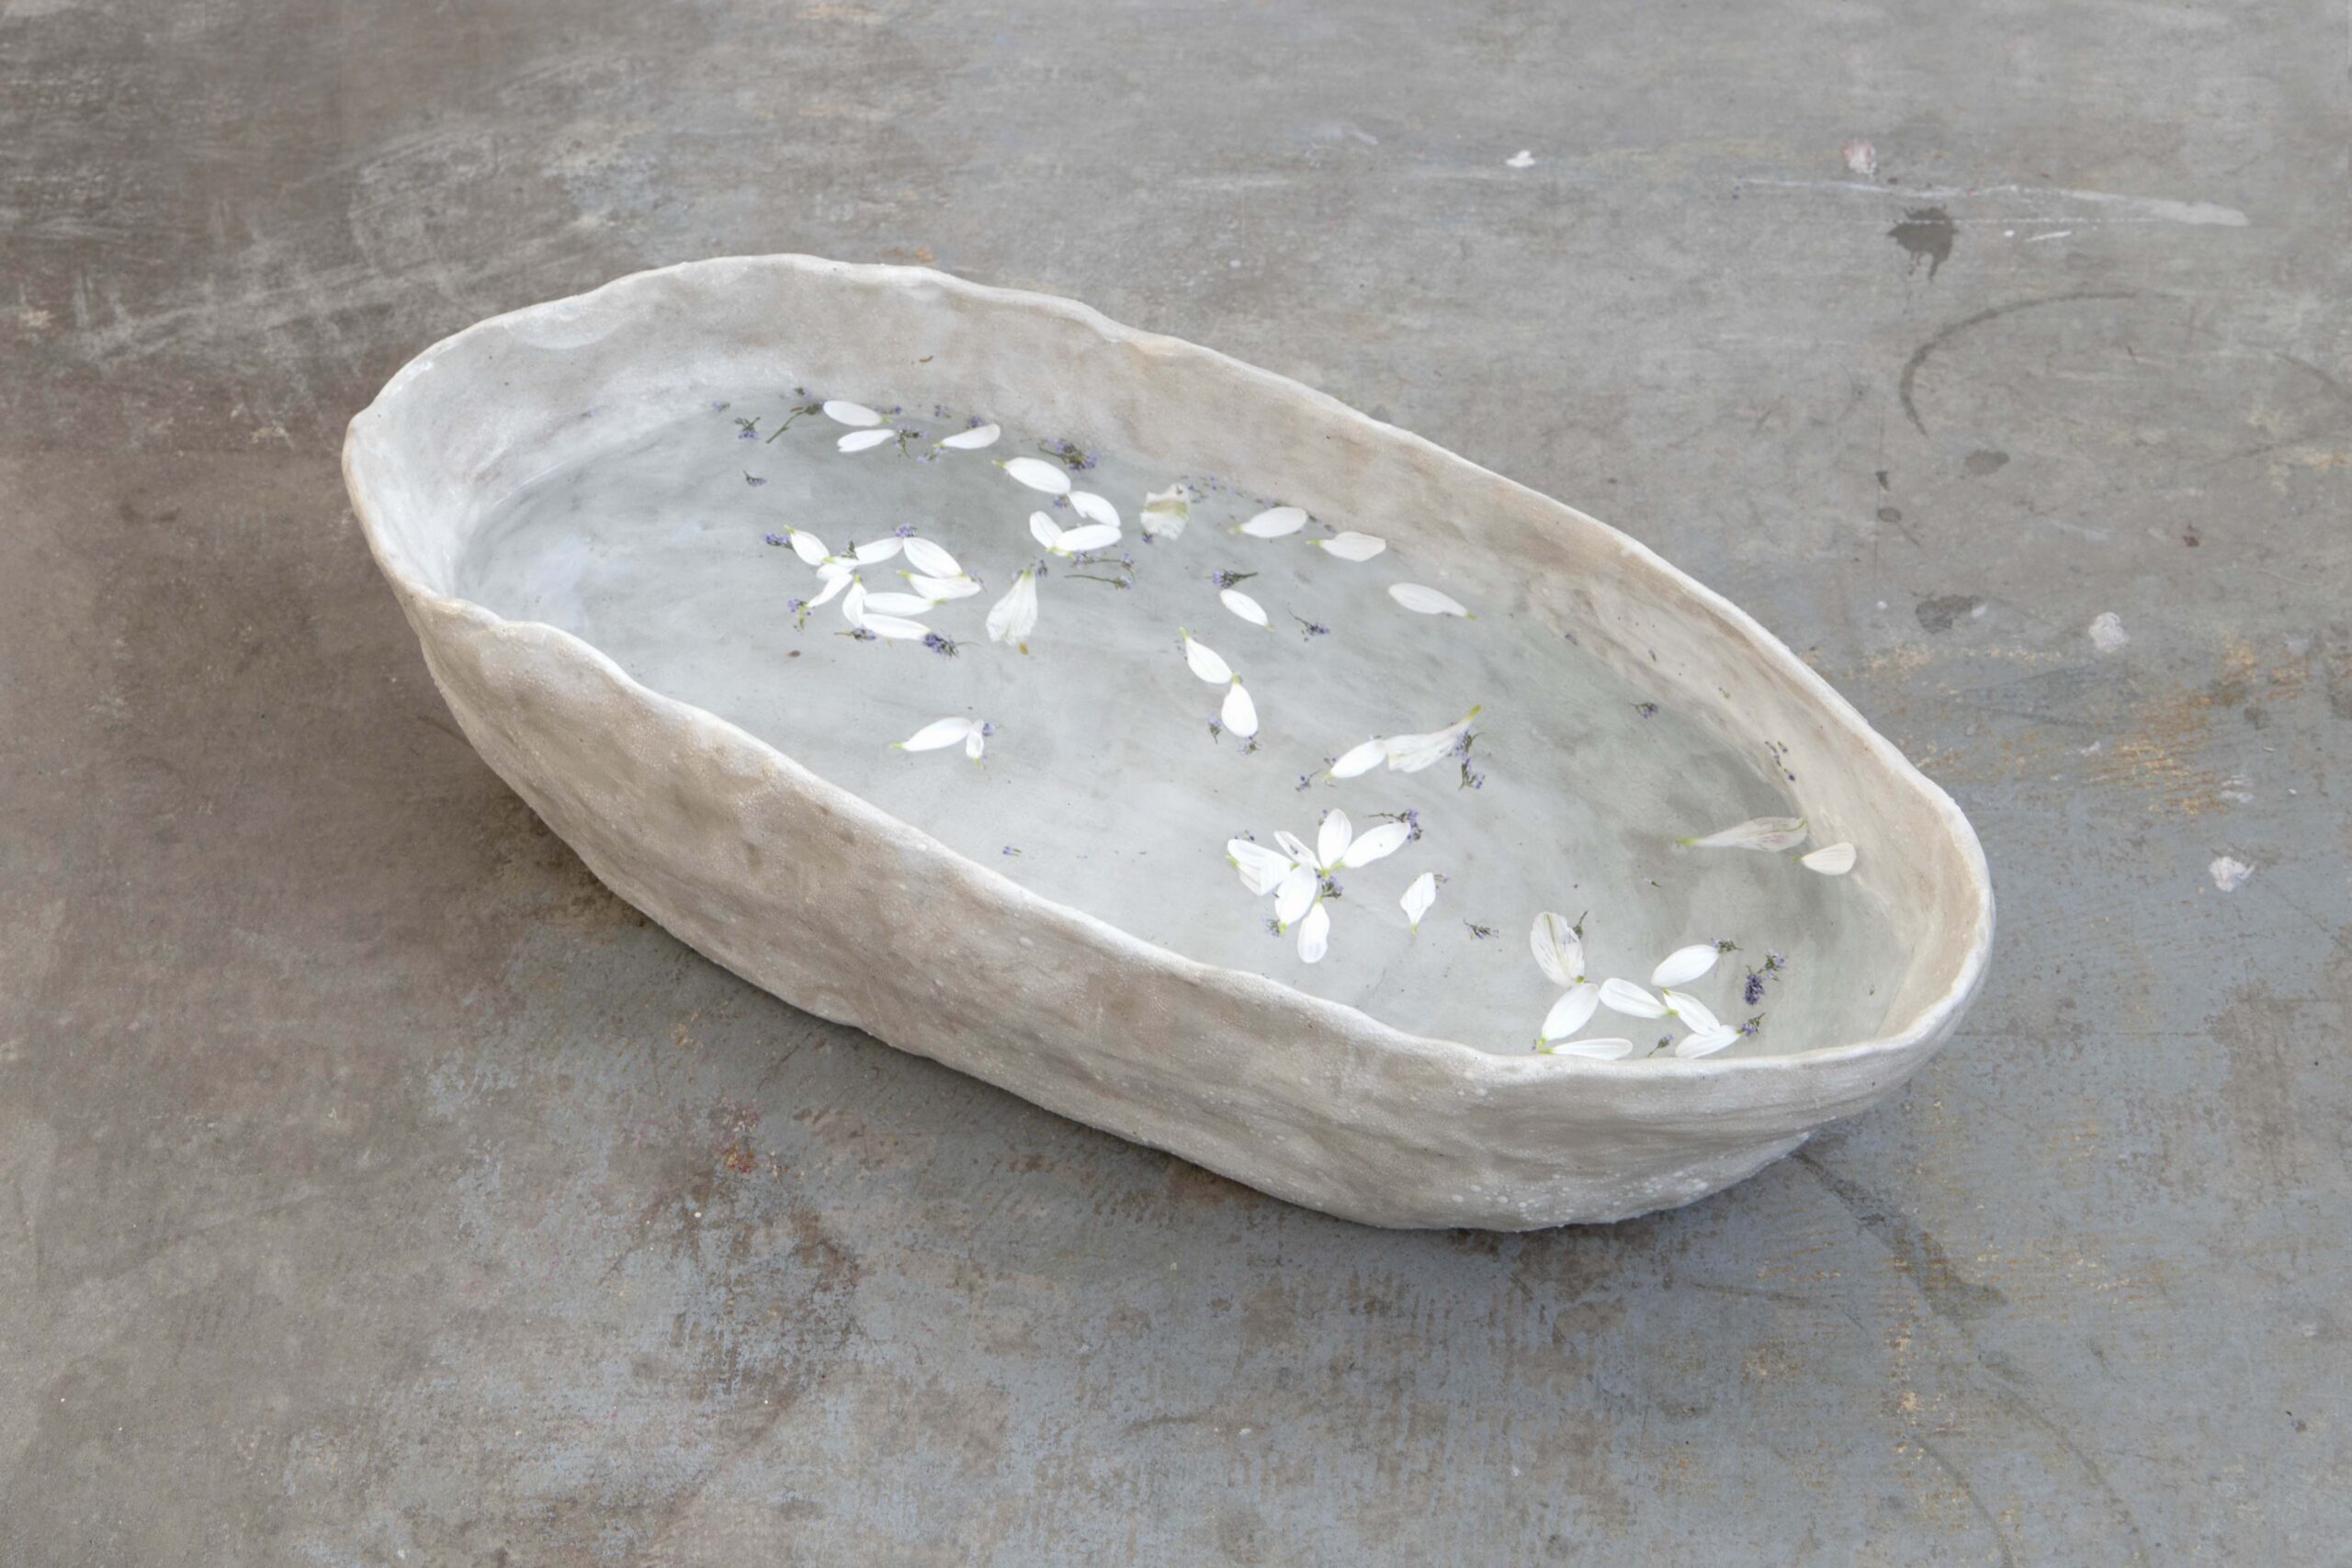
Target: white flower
{"x": 1296, "y": 875}
{"x": 1014, "y": 616}
{"x": 1348, "y": 544}
{"x": 1834, "y": 861}
{"x": 859, "y": 440}
{"x": 1068, "y": 542}
{"x": 1274, "y": 522}
{"x": 1241, "y": 604}
{"x": 1685, "y": 965}
{"x": 972, "y": 440}
{"x": 1165, "y": 511}
{"x": 1425, "y": 600}
{"x": 1419, "y": 898}
{"x": 1559, "y": 952}
{"x": 844, "y": 412}
{"x": 1094, "y": 509}
{"x": 943, "y": 732}
{"x": 1773, "y": 835}
{"x": 1051, "y": 478}
{"x": 1403, "y": 753}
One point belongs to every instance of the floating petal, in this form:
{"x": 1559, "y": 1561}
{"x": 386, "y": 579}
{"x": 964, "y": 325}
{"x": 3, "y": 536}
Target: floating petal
{"x": 1694, "y": 1013}
{"x": 1834, "y": 861}
{"x": 977, "y": 742}
{"x": 1559, "y": 951}
{"x": 1332, "y": 837}
{"x": 1045, "y": 530}
{"x": 1204, "y": 662}
{"x": 1360, "y": 758}
{"x": 1051, "y": 478}
{"x": 972, "y": 440}
{"x": 1378, "y": 844}
{"x": 1599, "y": 1050}
{"x": 1624, "y": 996}
{"x": 1411, "y": 753}
{"x": 835, "y": 580}
{"x": 940, "y": 589}
{"x": 1295, "y": 847}
{"x": 1705, "y": 1045}
{"x": 1239, "y": 714}
{"x": 1276, "y": 522}
{"x": 1093, "y": 508}
{"x": 1773, "y": 835}
{"x": 1419, "y": 898}
{"x": 1014, "y": 616}
{"x": 877, "y": 549}
{"x": 1091, "y": 536}
{"x": 939, "y": 732}
{"x": 853, "y": 602}
{"x": 898, "y": 603}
{"x": 859, "y": 440}
{"x": 1315, "y": 935}
{"x": 1165, "y": 511}
{"x": 1294, "y": 893}
{"x": 930, "y": 560}
{"x": 1352, "y": 545}
{"x": 897, "y": 628}
{"x": 1685, "y": 965}
{"x": 1425, "y": 600}
{"x": 808, "y": 548}
{"x": 1241, "y": 604}
{"x": 1572, "y": 1011}
{"x": 1262, "y": 869}
{"x": 841, "y": 412}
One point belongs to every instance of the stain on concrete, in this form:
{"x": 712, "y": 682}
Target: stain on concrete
{"x": 1983, "y": 461}
{"x": 1937, "y": 615}
{"x": 1926, "y": 234}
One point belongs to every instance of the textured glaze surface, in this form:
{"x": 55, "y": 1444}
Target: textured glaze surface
{"x": 844, "y": 910}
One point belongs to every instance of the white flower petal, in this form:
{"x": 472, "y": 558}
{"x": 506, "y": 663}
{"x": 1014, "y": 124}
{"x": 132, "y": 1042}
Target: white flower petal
{"x": 1051, "y": 478}
{"x": 1315, "y": 935}
{"x": 1295, "y": 847}
{"x": 1559, "y": 951}
{"x": 939, "y": 732}
{"x": 1378, "y": 844}
{"x": 977, "y": 742}
{"x": 1360, "y": 758}
{"x": 1093, "y": 508}
{"x": 1685, "y": 965}
{"x": 1834, "y": 861}
{"x": 1411, "y": 753}
{"x": 1332, "y": 837}
{"x": 1597, "y": 1049}
{"x": 898, "y": 603}
{"x": 859, "y": 440}
{"x": 853, "y": 602}
{"x": 896, "y": 629}
{"x": 876, "y": 551}
{"x": 1571, "y": 1012}
{"x": 1014, "y": 616}
{"x": 1772, "y": 834}
{"x": 1705, "y": 1045}
{"x": 1241, "y": 604}
{"x": 1624, "y": 996}
{"x": 1294, "y": 893}
{"x": 940, "y": 589}
{"x": 1694, "y": 1013}
{"x": 930, "y": 560}
{"x": 808, "y": 546}
{"x": 1348, "y": 545}
{"x": 834, "y": 582}
{"x": 1045, "y": 530}
{"x": 1090, "y": 536}
{"x": 1263, "y": 869}
{"x": 1425, "y": 600}
{"x": 1204, "y": 661}
{"x": 972, "y": 440}
{"x": 1419, "y": 898}
{"x": 1165, "y": 511}
{"x": 1239, "y": 713}
{"x": 841, "y": 412}
{"x": 1275, "y": 522}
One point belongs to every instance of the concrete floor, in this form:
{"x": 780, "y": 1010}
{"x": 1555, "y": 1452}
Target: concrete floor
{"x": 375, "y": 1187}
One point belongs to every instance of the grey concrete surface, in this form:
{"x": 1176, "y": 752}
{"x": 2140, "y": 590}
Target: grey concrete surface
{"x": 374, "y": 1188}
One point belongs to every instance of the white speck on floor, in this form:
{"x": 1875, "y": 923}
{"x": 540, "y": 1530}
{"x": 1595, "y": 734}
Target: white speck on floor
{"x": 2228, "y": 874}
{"x": 1860, "y": 157}
{"x": 2108, "y": 633}
{"x": 1522, "y": 159}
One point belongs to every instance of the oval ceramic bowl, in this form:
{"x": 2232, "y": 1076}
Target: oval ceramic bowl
{"x": 839, "y": 906}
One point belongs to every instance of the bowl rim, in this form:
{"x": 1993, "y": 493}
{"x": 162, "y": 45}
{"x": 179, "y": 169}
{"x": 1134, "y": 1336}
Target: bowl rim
{"x": 1922, "y": 1032}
